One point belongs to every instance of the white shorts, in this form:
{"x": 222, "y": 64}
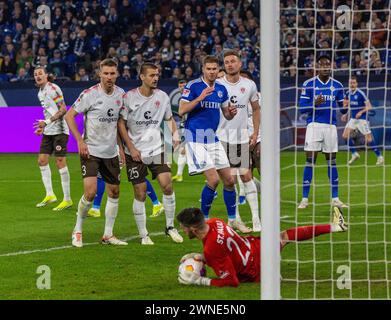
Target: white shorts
{"x": 360, "y": 125}
{"x": 201, "y": 157}
{"x": 321, "y": 137}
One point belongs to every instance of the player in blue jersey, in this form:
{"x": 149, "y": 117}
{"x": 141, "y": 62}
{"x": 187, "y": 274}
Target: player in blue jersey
{"x": 359, "y": 105}
{"x": 320, "y": 98}
{"x": 202, "y": 100}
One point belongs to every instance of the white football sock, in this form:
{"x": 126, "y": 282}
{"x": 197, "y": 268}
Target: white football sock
{"x": 65, "y": 183}
{"x": 258, "y": 184}
{"x": 181, "y": 163}
{"x": 169, "y": 209}
{"x": 140, "y": 217}
{"x": 47, "y": 179}
{"x": 111, "y": 212}
{"x": 82, "y": 210}
{"x": 252, "y": 199}
{"x": 241, "y": 186}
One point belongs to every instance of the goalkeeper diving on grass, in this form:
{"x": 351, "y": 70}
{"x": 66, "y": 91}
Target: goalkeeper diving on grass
{"x": 236, "y": 258}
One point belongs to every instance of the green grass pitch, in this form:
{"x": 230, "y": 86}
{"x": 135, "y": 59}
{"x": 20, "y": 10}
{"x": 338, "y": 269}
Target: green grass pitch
{"x": 94, "y": 271}
{"x": 139, "y": 272}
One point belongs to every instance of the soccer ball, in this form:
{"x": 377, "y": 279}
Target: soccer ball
{"x": 194, "y": 264}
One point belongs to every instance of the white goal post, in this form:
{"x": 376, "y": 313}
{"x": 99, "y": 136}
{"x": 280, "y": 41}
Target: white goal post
{"x": 270, "y": 150}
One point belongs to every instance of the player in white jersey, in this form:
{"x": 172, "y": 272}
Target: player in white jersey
{"x": 181, "y": 151}
{"x": 256, "y": 151}
{"x": 98, "y": 151}
{"x": 144, "y": 109}
{"x": 55, "y": 138}
{"x": 234, "y": 134}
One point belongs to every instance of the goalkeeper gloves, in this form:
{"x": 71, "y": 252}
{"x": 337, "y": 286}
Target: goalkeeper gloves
{"x": 194, "y": 255}
{"x": 188, "y": 277}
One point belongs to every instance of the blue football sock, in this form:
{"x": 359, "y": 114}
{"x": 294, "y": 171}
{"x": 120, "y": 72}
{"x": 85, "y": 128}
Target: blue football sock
{"x": 333, "y": 177}
{"x": 307, "y": 178}
{"x": 375, "y": 148}
{"x": 100, "y": 190}
{"x": 151, "y": 193}
{"x": 230, "y": 202}
{"x": 352, "y": 148}
{"x": 207, "y": 197}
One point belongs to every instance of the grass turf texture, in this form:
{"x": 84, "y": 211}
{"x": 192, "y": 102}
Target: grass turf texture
{"x": 95, "y": 271}
{"x": 140, "y": 272}
{"x": 364, "y": 248}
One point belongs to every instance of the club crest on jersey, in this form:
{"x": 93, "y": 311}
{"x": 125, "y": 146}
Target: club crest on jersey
{"x": 157, "y": 104}
{"x": 242, "y": 90}
{"x": 185, "y": 92}
{"x": 118, "y": 102}
{"x": 220, "y": 94}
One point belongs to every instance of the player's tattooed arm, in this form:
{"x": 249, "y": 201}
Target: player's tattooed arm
{"x": 121, "y": 152}
{"x": 62, "y": 110}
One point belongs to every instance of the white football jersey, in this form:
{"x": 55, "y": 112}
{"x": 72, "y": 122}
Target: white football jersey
{"x": 250, "y": 120}
{"x": 49, "y": 96}
{"x": 143, "y": 116}
{"x": 240, "y": 94}
{"x": 101, "y": 113}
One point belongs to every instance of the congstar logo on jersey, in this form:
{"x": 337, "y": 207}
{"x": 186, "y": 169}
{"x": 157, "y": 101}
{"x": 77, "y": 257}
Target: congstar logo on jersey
{"x": 110, "y": 117}
{"x": 234, "y": 102}
{"x": 148, "y": 120}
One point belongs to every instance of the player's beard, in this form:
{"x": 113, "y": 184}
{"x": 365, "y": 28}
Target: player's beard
{"x": 192, "y": 235}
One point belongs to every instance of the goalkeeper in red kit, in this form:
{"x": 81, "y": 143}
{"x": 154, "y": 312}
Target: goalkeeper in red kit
{"x": 234, "y": 258}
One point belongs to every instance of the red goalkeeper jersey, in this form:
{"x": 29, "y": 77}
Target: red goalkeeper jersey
{"x": 234, "y": 258}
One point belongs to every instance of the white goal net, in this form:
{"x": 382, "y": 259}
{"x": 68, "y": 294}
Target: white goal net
{"x": 356, "y": 37}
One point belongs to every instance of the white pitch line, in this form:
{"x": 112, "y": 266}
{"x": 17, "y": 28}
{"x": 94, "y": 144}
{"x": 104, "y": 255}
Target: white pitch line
{"x": 352, "y": 216}
{"x": 18, "y": 253}
{"x": 10, "y": 254}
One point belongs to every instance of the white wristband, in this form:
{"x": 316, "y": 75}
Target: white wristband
{"x": 205, "y": 281}
{"x": 48, "y": 121}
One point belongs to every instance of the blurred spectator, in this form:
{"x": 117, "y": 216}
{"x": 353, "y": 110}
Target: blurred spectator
{"x": 8, "y": 66}
{"x": 84, "y": 32}
{"x": 22, "y": 76}
{"x": 125, "y": 76}
{"x": 359, "y": 50}
{"x": 82, "y": 75}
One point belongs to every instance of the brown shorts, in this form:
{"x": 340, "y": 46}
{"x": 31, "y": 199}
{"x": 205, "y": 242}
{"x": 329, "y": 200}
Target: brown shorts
{"x": 256, "y": 156}
{"x": 56, "y": 143}
{"x": 108, "y": 168}
{"x": 137, "y": 171}
{"x": 238, "y": 154}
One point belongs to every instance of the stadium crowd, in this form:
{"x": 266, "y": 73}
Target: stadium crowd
{"x": 174, "y": 34}
{"x": 362, "y": 48}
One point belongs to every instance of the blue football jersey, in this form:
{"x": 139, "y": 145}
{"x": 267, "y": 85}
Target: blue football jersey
{"x": 326, "y": 112}
{"x": 357, "y": 101}
{"x": 202, "y": 122}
